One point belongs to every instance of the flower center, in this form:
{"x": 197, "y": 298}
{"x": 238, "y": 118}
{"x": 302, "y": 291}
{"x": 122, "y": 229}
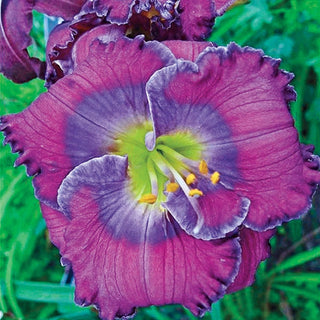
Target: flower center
{"x": 166, "y": 165}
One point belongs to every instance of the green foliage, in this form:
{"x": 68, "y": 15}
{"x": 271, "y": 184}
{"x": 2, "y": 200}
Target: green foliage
{"x": 287, "y": 285}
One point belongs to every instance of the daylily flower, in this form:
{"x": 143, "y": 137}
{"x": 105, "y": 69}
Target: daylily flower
{"x": 156, "y": 19}
{"x": 163, "y": 168}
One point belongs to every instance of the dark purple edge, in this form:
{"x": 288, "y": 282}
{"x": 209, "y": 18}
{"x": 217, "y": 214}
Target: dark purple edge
{"x": 286, "y": 218}
{"x": 15, "y": 147}
{"x": 23, "y": 159}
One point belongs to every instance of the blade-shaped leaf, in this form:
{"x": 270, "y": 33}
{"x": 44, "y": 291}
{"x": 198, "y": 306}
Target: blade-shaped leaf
{"x": 296, "y": 260}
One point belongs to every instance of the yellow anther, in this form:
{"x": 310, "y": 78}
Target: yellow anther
{"x": 148, "y": 198}
{"x": 191, "y": 178}
{"x": 215, "y": 177}
{"x": 195, "y": 192}
{"x": 172, "y": 187}
{"x": 203, "y": 167}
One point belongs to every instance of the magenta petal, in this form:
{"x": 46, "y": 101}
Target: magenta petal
{"x": 251, "y": 138}
{"x": 61, "y": 8}
{"x": 215, "y": 214}
{"x": 115, "y": 11}
{"x": 311, "y": 165}
{"x": 100, "y": 97}
{"x": 66, "y": 47}
{"x": 197, "y": 18}
{"x": 181, "y": 270}
{"x": 40, "y": 147}
{"x": 255, "y": 248}
{"x": 104, "y": 33}
{"x": 16, "y": 23}
{"x": 187, "y": 50}
{"x": 56, "y": 223}
{"x": 59, "y": 38}
{"x": 165, "y": 266}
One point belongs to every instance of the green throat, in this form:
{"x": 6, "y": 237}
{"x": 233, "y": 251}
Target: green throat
{"x": 169, "y": 161}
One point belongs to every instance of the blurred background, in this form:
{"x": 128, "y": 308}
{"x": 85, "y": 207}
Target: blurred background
{"x": 287, "y": 284}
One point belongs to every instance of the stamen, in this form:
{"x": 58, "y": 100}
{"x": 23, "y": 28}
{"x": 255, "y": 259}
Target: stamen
{"x": 162, "y": 162}
{"x": 203, "y": 167}
{"x": 148, "y": 198}
{"x": 191, "y": 178}
{"x": 172, "y": 187}
{"x": 195, "y": 192}
{"x": 215, "y": 177}
{"x": 186, "y": 162}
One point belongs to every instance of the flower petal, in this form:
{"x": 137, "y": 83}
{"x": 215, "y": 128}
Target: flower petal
{"x": 116, "y": 11}
{"x": 197, "y": 18}
{"x": 165, "y": 266}
{"x": 218, "y": 212}
{"x": 56, "y": 223}
{"x": 60, "y": 37}
{"x": 255, "y": 248}
{"x": 187, "y": 50}
{"x": 61, "y": 8}
{"x": 119, "y": 12}
{"x": 67, "y": 47}
{"x": 15, "y": 25}
{"x": 252, "y": 140}
{"x": 311, "y": 165}
{"x": 103, "y": 95}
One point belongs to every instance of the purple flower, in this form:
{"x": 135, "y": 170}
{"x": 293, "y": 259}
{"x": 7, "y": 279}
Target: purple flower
{"x": 156, "y": 19}
{"x": 163, "y": 168}
{"x": 159, "y": 20}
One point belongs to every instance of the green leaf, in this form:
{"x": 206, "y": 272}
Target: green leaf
{"x": 299, "y": 278}
{"x": 302, "y": 292}
{"x": 42, "y": 292}
{"x": 231, "y": 307}
{"x": 154, "y": 313}
{"x": 279, "y": 46}
{"x": 296, "y": 260}
{"x": 215, "y": 312}
{"x": 9, "y": 288}
{"x": 83, "y": 315}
